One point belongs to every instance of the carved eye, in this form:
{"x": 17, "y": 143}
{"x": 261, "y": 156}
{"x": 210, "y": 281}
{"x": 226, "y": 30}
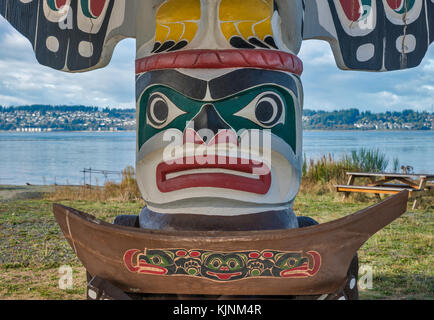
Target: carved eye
{"x": 161, "y": 111}
{"x": 156, "y": 260}
{"x": 291, "y": 262}
{"x": 269, "y": 110}
{"x": 232, "y": 264}
{"x": 215, "y": 263}
{"x": 266, "y": 110}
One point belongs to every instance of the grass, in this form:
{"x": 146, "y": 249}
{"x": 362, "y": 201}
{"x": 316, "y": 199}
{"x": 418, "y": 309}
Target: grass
{"x": 33, "y": 247}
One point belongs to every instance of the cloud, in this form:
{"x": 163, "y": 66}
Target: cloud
{"x": 328, "y": 88}
{"x": 24, "y": 81}
{"x": 317, "y": 53}
{"x": 429, "y": 65}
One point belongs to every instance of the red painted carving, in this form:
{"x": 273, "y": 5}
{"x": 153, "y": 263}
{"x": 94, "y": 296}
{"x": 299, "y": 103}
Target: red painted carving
{"x": 254, "y": 255}
{"x": 181, "y": 253}
{"x": 217, "y": 59}
{"x": 268, "y": 254}
{"x": 60, "y": 3}
{"x": 194, "y": 253}
{"x": 96, "y": 7}
{"x": 352, "y": 9}
{"x": 395, "y": 4}
{"x": 128, "y": 258}
{"x": 214, "y": 180}
{"x": 304, "y": 271}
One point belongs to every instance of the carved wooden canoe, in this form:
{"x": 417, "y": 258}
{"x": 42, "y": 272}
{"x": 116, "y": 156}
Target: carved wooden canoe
{"x": 308, "y": 261}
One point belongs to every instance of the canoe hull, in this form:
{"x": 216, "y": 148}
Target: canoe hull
{"x": 308, "y": 261}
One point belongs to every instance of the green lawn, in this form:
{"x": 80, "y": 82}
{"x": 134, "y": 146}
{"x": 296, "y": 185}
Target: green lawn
{"x": 33, "y": 247}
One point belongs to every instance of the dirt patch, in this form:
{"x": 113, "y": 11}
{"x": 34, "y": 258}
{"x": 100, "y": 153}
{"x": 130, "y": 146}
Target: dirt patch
{"x": 23, "y": 192}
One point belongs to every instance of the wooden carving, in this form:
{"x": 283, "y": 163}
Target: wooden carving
{"x": 219, "y": 123}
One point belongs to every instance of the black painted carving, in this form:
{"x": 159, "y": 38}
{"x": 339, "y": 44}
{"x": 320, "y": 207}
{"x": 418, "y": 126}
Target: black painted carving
{"x": 384, "y": 37}
{"x": 240, "y": 43}
{"x": 239, "y": 80}
{"x": 208, "y": 118}
{"x": 26, "y": 16}
{"x": 188, "y": 86}
{"x": 265, "y": 111}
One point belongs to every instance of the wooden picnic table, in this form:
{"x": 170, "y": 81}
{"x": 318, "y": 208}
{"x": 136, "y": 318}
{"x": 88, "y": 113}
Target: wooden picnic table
{"x": 381, "y": 183}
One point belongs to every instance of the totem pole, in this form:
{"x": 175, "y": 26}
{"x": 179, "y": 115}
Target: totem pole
{"x": 219, "y": 137}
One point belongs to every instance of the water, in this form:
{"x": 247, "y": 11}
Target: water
{"x": 414, "y": 148}
{"x": 59, "y": 157}
{"x": 47, "y": 158}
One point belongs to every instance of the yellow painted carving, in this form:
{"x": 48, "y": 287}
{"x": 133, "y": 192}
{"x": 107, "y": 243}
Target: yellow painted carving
{"x": 246, "y": 18}
{"x": 177, "y": 20}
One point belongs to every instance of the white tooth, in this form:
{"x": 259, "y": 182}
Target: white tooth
{"x": 212, "y": 170}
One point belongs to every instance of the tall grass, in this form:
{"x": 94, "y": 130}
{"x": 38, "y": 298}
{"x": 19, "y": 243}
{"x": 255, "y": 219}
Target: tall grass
{"x": 328, "y": 169}
{"x": 126, "y": 190}
{"x": 367, "y": 160}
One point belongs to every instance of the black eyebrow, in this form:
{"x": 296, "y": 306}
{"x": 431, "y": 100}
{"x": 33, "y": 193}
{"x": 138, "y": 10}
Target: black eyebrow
{"x": 188, "y": 86}
{"x": 221, "y": 87}
{"x": 242, "y": 79}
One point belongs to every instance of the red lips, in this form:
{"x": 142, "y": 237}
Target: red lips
{"x": 151, "y": 269}
{"x": 260, "y": 184}
{"x": 224, "y": 276}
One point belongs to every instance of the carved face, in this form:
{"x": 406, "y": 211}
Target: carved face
{"x": 296, "y": 265}
{"x": 224, "y": 137}
{"x": 219, "y": 110}
{"x": 224, "y": 266}
{"x": 156, "y": 262}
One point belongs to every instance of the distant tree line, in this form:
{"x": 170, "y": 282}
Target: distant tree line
{"x": 354, "y": 119}
{"x": 66, "y": 118}
{"x": 49, "y": 108}
{"x": 338, "y": 119}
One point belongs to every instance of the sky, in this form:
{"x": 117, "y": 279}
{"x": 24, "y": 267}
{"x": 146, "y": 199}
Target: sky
{"x": 23, "y": 81}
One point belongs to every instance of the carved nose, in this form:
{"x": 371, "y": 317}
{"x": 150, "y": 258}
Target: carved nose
{"x": 208, "y": 121}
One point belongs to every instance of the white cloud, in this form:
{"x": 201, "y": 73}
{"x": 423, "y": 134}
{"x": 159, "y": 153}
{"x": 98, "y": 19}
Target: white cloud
{"x": 16, "y": 41}
{"x": 317, "y": 53}
{"x": 21, "y": 76}
{"x": 429, "y": 65}
{"x": 428, "y": 88}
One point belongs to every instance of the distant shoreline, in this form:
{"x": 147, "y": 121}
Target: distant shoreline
{"x": 62, "y": 131}
{"x": 312, "y": 130}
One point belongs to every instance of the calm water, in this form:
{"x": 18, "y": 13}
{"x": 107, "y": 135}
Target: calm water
{"x": 46, "y": 158}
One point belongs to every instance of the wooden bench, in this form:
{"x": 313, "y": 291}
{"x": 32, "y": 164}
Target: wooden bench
{"x": 380, "y": 184}
{"x": 375, "y": 190}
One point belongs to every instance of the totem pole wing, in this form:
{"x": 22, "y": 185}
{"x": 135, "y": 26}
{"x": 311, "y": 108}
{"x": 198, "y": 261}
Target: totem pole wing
{"x": 372, "y": 35}
{"x": 72, "y": 35}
